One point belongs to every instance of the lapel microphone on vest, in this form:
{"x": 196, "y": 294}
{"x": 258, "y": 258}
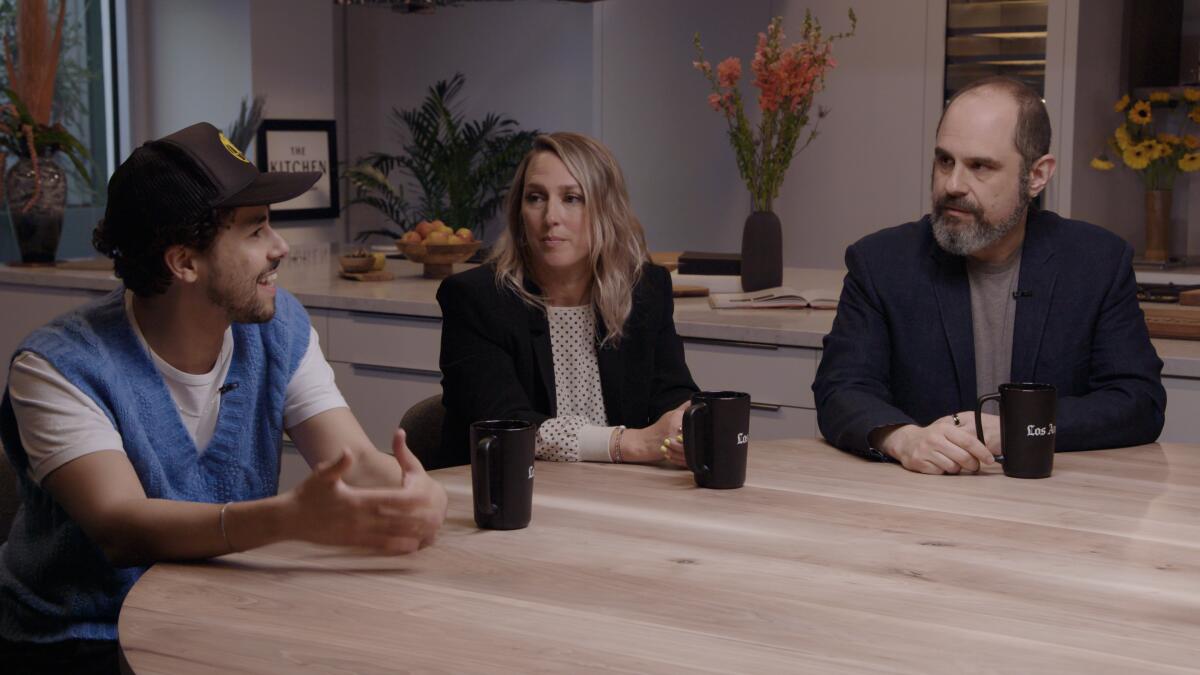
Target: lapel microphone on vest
{"x": 1017, "y": 295}
{"x": 227, "y": 387}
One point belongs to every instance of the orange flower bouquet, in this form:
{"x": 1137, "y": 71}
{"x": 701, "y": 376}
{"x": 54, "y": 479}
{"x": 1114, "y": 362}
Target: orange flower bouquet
{"x": 787, "y": 79}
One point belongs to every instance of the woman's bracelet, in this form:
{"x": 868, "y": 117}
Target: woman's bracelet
{"x": 616, "y": 452}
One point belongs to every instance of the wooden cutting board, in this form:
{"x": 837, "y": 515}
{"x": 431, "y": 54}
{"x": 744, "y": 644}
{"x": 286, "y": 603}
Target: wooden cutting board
{"x": 686, "y": 291}
{"x": 667, "y": 259}
{"x": 380, "y": 275}
{"x": 1172, "y": 321}
{"x": 1191, "y": 298}
{"x": 97, "y": 264}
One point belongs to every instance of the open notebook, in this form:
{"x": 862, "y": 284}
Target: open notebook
{"x": 780, "y": 297}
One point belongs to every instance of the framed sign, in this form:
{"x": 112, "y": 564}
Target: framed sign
{"x": 301, "y": 145}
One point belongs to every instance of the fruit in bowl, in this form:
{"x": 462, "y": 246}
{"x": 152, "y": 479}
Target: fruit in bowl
{"x": 438, "y": 247}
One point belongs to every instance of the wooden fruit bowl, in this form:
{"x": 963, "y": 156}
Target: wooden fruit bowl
{"x": 354, "y": 264}
{"x": 438, "y": 259}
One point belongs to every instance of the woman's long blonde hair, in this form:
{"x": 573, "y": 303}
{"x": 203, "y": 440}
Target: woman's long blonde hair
{"x": 618, "y": 243}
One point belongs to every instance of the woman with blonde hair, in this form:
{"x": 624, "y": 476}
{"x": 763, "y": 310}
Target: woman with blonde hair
{"x": 568, "y": 325}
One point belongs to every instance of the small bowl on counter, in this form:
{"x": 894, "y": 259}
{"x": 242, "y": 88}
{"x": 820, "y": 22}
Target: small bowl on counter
{"x": 356, "y": 264}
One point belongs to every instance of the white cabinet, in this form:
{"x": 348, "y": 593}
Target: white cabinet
{"x": 386, "y": 363}
{"x": 411, "y": 342}
{"x": 775, "y": 422}
{"x": 383, "y": 363}
{"x": 769, "y": 373}
{"x": 379, "y": 396}
{"x": 1183, "y": 402}
{"x": 778, "y": 379}
{"x": 292, "y": 468}
{"x": 320, "y": 322}
{"x": 26, "y": 308}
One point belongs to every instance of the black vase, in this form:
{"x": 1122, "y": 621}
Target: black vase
{"x": 762, "y": 251}
{"x": 38, "y": 227}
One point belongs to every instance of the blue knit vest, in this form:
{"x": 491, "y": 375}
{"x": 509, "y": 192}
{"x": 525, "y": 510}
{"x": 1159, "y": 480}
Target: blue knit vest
{"x": 55, "y": 583}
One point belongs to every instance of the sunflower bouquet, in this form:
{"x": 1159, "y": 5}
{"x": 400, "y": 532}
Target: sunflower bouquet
{"x": 1148, "y": 142}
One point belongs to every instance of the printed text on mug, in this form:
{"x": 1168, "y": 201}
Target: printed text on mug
{"x": 1032, "y": 430}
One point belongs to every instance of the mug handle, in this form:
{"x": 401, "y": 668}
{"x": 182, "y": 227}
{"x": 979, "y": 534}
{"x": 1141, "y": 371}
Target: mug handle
{"x": 483, "y": 478}
{"x": 979, "y": 417}
{"x": 691, "y": 438}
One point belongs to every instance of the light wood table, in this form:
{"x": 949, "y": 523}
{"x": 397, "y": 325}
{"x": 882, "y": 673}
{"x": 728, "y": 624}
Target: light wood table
{"x": 822, "y": 563}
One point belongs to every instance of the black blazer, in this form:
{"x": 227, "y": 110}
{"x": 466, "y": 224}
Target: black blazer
{"x": 497, "y": 364}
{"x": 902, "y": 351}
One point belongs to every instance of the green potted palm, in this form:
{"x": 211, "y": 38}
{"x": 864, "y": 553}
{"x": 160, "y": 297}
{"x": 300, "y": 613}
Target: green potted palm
{"x": 35, "y": 187}
{"x": 243, "y": 129}
{"x": 459, "y": 169}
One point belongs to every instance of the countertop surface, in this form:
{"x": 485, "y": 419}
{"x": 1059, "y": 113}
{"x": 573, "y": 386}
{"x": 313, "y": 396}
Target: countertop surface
{"x": 318, "y": 286}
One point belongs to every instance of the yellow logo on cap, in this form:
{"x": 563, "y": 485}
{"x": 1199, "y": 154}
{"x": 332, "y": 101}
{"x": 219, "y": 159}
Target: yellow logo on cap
{"x": 231, "y": 147}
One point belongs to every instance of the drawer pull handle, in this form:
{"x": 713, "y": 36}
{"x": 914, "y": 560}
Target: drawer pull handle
{"x": 730, "y": 343}
{"x": 396, "y": 320}
{"x": 394, "y": 369}
{"x": 769, "y": 407}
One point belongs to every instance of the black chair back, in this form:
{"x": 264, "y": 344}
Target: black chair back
{"x": 423, "y": 425}
{"x": 10, "y": 496}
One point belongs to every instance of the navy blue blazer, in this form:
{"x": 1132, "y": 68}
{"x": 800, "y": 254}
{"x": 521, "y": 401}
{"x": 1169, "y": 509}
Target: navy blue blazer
{"x": 902, "y": 350}
{"x": 497, "y": 361}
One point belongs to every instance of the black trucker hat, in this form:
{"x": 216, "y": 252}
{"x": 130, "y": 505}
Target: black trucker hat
{"x": 183, "y": 176}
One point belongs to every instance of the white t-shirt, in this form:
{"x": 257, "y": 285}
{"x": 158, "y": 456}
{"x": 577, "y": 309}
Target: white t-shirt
{"x": 59, "y": 423}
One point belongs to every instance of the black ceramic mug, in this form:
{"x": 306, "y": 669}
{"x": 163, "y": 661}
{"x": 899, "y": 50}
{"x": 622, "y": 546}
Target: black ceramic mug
{"x": 502, "y": 473}
{"x": 716, "y": 435}
{"x": 1027, "y": 427}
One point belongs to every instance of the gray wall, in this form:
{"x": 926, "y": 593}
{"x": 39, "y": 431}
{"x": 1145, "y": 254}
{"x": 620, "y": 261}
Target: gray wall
{"x": 673, "y": 148}
{"x": 1115, "y": 199}
{"x": 189, "y": 62}
{"x": 529, "y": 61}
{"x": 869, "y": 168}
{"x": 1111, "y": 198}
{"x": 621, "y": 70}
{"x": 195, "y": 61}
{"x": 292, "y": 65}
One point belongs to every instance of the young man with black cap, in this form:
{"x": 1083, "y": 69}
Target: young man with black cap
{"x": 147, "y": 425}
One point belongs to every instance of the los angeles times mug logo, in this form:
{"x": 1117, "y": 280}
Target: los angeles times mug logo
{"x": 743, "y": 439}
{"x": 1034, "y": 430}
{"x": 531, "y": 473}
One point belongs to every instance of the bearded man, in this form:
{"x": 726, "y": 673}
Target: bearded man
{"x": 987, "y": 289}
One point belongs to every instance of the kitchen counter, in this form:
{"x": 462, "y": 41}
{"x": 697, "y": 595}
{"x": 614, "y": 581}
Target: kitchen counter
{"x": 412, "y": 295}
